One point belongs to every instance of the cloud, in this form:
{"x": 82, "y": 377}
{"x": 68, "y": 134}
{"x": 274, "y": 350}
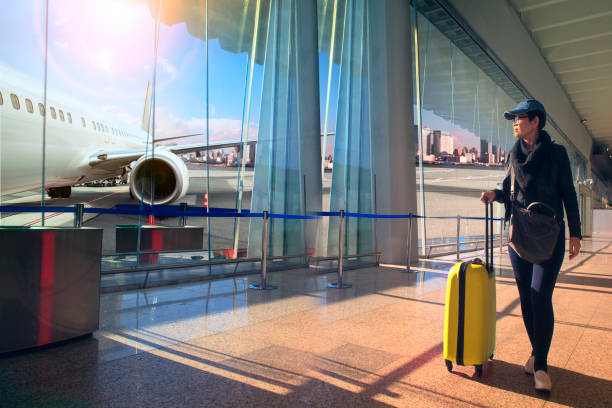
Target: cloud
{"x": 61, "y": 44}
{"x": 169, "y": 125}
{"x": 126, "y": 118}
{"x": 167, "y": 67}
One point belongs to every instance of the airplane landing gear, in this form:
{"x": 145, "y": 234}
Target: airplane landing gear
{"x": 59, "y": 192}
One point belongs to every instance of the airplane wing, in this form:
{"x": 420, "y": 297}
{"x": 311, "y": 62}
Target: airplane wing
{"x": 120, "y": 158}
{"x": 198, "y": 147}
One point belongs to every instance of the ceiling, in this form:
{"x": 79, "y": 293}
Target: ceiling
{"x": 575, "y": 38}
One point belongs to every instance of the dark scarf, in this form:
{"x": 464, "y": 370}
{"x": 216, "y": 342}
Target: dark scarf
{"x": 527, "y": 163}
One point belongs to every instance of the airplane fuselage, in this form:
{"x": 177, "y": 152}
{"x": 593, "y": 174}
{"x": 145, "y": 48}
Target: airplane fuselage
{"x": 71, "y": 136}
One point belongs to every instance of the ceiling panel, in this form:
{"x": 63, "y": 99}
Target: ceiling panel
{"x": 575, "y": 37}
{"x": 580, "y": 64}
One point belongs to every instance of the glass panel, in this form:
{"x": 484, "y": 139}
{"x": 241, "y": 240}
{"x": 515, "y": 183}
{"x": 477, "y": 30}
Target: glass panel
{"x": 21, "y": 134}
{"x": 287, "y": 165}
{"x": 465, "y": 140}
{"x": 352, "y": 178}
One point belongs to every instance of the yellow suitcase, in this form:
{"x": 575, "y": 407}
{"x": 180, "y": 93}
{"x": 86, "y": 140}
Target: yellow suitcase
{"x": 470, "y": 312}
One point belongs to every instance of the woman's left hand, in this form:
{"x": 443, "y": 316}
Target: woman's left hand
{"x": 574, "y": 247}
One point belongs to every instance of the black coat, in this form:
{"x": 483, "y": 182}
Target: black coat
{"x": 553, "y": 183}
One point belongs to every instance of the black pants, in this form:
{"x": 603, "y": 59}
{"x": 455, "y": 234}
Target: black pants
{"x": 536, "y": 283}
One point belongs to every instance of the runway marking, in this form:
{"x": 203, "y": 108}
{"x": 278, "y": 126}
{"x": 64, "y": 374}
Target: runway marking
{"x": 60, "y": 213}
{"x": 440, "y": 180}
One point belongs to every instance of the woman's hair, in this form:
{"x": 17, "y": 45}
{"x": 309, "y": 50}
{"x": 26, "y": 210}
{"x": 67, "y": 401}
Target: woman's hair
{"x": 533, "y": 114}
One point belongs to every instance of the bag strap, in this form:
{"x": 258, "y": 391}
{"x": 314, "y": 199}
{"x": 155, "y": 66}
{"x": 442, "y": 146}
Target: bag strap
{"x": 511, "y": 182}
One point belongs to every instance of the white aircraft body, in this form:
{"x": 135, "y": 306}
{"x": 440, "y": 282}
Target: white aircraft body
{"x": 81, "y": 146}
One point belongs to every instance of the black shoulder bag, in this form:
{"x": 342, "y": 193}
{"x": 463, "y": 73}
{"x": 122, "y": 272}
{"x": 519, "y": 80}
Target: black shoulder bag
{"x": 532, "y": 234}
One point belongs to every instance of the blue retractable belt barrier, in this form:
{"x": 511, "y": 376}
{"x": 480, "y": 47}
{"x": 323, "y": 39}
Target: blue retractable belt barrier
{"x": 175, "y": 211}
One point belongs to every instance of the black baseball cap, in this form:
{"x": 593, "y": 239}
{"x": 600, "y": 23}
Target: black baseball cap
{"x": 528, "y": 105}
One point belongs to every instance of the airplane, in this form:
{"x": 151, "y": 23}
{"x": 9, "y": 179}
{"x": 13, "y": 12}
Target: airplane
{"x": 82, "y": 145}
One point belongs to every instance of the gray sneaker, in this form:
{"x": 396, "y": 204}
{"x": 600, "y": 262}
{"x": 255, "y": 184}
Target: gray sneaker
{"x": 542, "y": 381}
{"x": 529, "y": 365}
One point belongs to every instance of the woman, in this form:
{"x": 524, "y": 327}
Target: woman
{"x": 542, "y": 173}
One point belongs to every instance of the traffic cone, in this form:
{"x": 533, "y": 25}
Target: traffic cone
{"x": 151, "y": 216}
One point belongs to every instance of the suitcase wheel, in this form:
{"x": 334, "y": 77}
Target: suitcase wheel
{"x": 479, "y": 370}
{"x": 449, "y": 365}
{"x": 491, "y": 358}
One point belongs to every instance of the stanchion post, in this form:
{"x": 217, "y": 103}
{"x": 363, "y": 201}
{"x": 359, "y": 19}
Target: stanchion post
{"x": 264, "y": 257}
{"x": 458, "y": 234}
{"x": 78, "y": 215}
{"x": 182, "y": 221}
{"x": 339, "y": 284}
{"x": 501, "y": 238}
{"x": 409, "y": 243}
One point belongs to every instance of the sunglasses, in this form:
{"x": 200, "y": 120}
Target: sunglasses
{"x": 519, "y": 117}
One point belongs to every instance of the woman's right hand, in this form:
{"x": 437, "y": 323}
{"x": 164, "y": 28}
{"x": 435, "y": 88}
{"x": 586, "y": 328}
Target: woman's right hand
{"x": 487, "y": 196}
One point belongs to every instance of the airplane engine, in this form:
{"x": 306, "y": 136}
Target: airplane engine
{"x": 159, "y": 180}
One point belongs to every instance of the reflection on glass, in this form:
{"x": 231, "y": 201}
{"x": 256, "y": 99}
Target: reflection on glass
{"x": 352, "y": 177}
{"x": 465, "y": 138}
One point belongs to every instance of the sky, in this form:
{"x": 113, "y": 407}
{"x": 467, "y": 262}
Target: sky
{"x": 101, "y": 52}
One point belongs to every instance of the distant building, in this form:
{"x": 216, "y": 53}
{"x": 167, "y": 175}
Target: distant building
{"x": 446, "y": 143}
{"x": 425, "y": 140}
{"x": 436, "y": 147}
{"x": 484, "y": 151}
{"x": 251, "y": 155}
{"x": 495, "y": 152}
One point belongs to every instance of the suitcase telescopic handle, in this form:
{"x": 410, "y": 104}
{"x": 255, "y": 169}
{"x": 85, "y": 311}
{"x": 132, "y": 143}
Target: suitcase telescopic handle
{"x": 489, "y": 235}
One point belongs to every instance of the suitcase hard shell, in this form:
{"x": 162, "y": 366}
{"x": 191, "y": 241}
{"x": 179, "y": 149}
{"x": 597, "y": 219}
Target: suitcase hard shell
{"x": 470, "y": 312}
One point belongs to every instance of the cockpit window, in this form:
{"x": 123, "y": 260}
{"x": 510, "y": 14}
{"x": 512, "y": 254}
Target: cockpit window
{"x": 69, "y": 117}
{"x": 61, "y": 115}
{"x": 53, "y": 114}
{"x": 41, "y": 109}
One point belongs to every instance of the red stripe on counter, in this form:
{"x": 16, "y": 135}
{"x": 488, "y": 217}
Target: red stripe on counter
{"x": 47, "y": 278}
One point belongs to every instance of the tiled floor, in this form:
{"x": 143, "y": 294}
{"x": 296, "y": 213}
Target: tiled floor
{"x": 378, "y": 343}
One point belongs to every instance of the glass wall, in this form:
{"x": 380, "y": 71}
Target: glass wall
{"x": 465, "y": 138}
{"x": 232, "y": 107}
